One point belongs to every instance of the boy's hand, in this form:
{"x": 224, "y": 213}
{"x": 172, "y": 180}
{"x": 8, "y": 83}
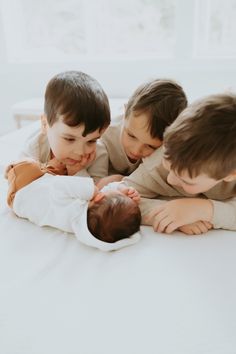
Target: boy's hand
{"x": 84, "y": 162}
{"x": 196, "y": 228}
{"x": 172, "y": 215}
{"x": 131, "y": 193}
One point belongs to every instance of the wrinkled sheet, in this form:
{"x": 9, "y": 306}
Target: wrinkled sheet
{"x": 167, "y": 294}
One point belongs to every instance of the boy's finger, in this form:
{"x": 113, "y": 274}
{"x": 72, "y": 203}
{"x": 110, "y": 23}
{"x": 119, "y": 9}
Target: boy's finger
{"x": 154, "y": 212}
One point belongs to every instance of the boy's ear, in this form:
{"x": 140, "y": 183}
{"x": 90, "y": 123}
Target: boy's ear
{"x": 44, "y": 124}
{"x": 98, "y": 197}
{"x": 230, "y": 177}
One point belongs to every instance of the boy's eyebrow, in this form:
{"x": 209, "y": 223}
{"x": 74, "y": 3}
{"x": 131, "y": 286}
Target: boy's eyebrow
{"x": 69, "y": 135}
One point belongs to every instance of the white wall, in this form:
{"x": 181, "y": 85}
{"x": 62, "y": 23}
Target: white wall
{"x": 119, "y": 78}
{"x": 20, "y": 82}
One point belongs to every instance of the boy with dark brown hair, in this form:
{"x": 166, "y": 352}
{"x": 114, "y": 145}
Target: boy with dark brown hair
{"x": 197, "y": 162}
{"x": 76, "y": 114}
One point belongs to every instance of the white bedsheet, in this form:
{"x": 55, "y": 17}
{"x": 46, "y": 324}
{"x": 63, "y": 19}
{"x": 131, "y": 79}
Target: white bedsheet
{"x": 165, "y": 295}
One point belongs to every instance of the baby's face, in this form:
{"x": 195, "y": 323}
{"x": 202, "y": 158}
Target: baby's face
{"x": 68, "y": 144}
{"x": 195, "y": 185}
{"x": 136, "y": 139}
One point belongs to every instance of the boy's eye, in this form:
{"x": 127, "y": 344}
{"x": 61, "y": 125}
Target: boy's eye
{"x": 131, "y": 136}
{"x": 151, "y": 147}
{"x": 69, "y": 139}
{"x": 92, "y": 142}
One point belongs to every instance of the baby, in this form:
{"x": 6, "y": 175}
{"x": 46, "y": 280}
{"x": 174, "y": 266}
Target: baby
{"x": 108, "y": 219}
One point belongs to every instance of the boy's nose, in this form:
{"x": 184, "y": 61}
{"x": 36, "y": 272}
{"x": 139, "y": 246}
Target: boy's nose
{"x": 138, "y": 150}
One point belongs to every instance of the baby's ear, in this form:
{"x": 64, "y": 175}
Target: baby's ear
{"x": 44, "y": 123}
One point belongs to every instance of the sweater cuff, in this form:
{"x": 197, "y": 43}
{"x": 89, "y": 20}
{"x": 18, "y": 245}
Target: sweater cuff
{"x": 224, "y": 215}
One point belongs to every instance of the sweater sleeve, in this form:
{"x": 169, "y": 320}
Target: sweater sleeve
{"x": 99, "y": 167}
{"x": 224, "y": 216}
{"x": 141, "y": 179}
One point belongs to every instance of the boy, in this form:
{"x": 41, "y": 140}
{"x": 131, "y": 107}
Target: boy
{"x": 152, "y": 107}
{"x": 106, "y": 219}
{"x": 76, "y": 113}
{"x": 198, "y": 162}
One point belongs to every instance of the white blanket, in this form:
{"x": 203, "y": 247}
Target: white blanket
{"x": 62, "y": 202}
{"x": 167, "y": 294}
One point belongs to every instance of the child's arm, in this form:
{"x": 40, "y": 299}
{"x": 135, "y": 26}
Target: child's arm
{"x": 99, "y": 167}
{"x": 176, "y": 213}
{"x": 224, "y": 216}
{"x": 109, "y": 179}
{"x": 149, "y": 179}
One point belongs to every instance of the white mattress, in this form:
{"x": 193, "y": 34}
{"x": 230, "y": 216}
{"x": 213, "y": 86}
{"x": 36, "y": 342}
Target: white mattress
{"x": 165, "y": 295}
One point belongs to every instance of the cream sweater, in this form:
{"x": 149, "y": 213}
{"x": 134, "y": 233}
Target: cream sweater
{"x": 150, "y": 180}
{"x": 62, "y": 202}
{"x": 118, "y": 161}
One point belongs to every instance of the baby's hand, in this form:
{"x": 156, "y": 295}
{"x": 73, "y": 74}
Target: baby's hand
{"x": 106, "y": 180}
{"x": 131, "y": 193}
{"x": 196, "y": 228}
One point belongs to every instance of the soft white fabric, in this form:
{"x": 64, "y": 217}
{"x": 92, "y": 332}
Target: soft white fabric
{"x": 169, "y": 294}
{"x": 62, "y": 202}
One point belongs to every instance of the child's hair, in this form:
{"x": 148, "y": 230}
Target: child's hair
{"x": 162, "y": 99}
{"x": 79, "y": 99}
{"x": 203, "y": 138}
{"x": 114, "y": 218}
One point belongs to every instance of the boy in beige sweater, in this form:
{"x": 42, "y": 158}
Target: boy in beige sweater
{"x": 152, "y": 107}
{"x": 196, "y": 169}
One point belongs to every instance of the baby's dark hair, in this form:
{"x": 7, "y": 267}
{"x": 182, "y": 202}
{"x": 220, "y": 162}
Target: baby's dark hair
{"x": 114, "y": 218}
{"x": 78, "y": 99}
{"x": 162, "y": 99}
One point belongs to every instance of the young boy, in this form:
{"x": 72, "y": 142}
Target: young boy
{"x": 198, "y": 162}
{"x": 76, "y": 113}
{"x": 151, "y": 108}
{"x": 107, "y": 219}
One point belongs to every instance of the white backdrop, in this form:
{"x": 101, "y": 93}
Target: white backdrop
{"x": 200, "y": 50}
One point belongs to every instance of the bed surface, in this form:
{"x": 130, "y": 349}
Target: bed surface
{"x": 164, "y": 295}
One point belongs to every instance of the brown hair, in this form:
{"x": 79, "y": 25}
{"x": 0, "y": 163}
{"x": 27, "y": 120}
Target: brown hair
{"x": 162, "y": 99}
{"x": 79, "y": 99}
{"x": 113, "y": 218}
{"x": 203, "y": 138}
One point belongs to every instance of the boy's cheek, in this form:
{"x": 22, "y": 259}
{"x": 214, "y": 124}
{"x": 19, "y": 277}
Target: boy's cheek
{"x": 172, "y": 180}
